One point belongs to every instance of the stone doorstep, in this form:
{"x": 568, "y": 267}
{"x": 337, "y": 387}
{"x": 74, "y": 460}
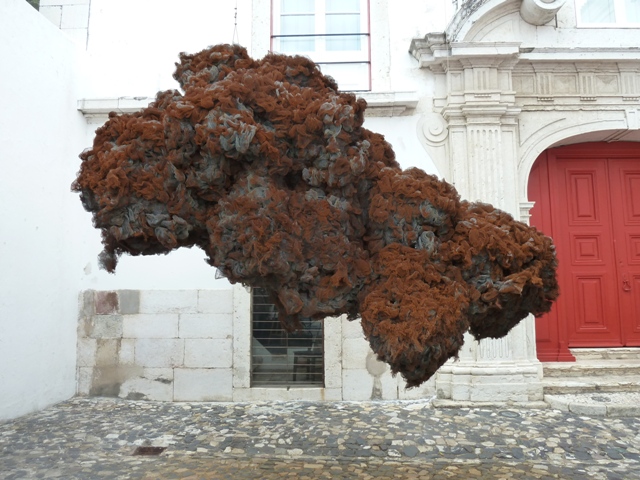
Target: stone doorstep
{"x": 591, "y": 384}
{"x": 595, "y": 404}
{"x": 445, "y": 403}
{"x": 622, "y": 353}
{"x": 595, "y": 367}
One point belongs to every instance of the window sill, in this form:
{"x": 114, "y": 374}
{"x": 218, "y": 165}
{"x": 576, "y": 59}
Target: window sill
{"x": 389, "y": 104}
{"x": 380, "y": 104}
{"x": 98, "y": 109}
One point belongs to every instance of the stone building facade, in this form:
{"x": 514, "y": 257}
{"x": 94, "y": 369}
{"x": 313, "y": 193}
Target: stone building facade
{"x": 475, "y": 91}
{"x": 506, "y": 80}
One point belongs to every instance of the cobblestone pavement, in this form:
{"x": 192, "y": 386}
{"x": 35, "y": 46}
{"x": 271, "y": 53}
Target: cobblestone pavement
{"x": 96, "y": 438}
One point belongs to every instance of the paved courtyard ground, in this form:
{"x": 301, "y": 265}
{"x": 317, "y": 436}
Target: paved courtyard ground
{"x": 96, "y": 438}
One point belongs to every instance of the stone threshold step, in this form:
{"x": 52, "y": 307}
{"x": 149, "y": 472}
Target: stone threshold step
{"x": 599, "y": 404}
{"x": 446, "y": 403}
{"x": 591, "y": 367}
{"x": 621, "y": 353}
{"x": 587, "y": 384}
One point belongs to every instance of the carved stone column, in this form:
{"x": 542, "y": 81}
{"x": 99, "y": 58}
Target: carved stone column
{"x": 478, "y": 105}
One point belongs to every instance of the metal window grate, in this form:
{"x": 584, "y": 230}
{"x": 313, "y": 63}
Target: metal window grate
{"x": 279, "y": 358}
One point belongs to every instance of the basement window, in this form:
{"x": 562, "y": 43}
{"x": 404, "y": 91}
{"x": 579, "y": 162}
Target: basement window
{"x": 279, "y": 358}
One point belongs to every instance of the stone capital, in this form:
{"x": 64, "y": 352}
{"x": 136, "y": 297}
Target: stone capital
{"x": 434, "y": 51}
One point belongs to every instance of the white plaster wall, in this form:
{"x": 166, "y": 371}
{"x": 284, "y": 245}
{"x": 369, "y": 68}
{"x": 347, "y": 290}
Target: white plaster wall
{"x": 181, "y": 269}
{"x": 135, "y": 43}
{"x": 133, "y": 47}
{"x": 71, "y": 16}
{"x": 401, "y": 133}
{"x": 40, "y": 134}
{"x": 408, "y": 20}
{"x": 148, "y": 63}
{"x": 186, "y": 268}
{"x": 132, "y": 54}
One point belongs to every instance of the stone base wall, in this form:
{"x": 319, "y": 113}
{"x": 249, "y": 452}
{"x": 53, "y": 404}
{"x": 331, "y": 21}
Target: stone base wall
{"x": 156, "y": 345}
{"x": 194, "y": 345}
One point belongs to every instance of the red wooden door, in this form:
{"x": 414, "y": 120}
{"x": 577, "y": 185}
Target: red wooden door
{"x": 624, "y": 176}
{"x": 582, "y": 226}
{"x": 588, "y": 199}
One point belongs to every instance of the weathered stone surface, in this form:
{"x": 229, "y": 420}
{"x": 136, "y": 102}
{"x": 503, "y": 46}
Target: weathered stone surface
{"x": 215, "y": 302}
{"x": 106, "y": 302}
{"x": 202, "y": 384}
{"x": 147, "y": 325}
{"x": 159, "y": 352}
{"x": 104, "y": 326}
{"x": 129, "y": 301}
{"x": 148, "y": 383}
{"x": 206, "y": 325}
{"x": 168, "y": 301}
{"x": 208, "y": 353}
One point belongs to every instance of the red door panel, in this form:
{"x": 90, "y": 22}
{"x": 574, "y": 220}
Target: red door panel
{"x": 582, "y": 226}
{"x": 587, "y": 197}
{"x": 551, "y": 337}
{"x": 625, "y": 185}
{"x": 588, "y": 298}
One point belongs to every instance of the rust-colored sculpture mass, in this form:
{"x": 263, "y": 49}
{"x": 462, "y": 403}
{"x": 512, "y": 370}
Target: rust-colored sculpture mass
{"x": 265, "y": 165}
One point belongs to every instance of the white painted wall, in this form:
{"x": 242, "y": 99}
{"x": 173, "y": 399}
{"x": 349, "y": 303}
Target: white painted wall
{"x": 135, "y": 43}
{"x": 132, "y": 48}
{"x": 40, "y": 135}
{"x": 401, "y": 133}
{"x": 48, "y": 247}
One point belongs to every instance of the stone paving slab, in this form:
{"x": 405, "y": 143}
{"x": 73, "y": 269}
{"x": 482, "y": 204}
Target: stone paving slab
{"x": 96, "y": 438}
{"x": 605, "y": 404}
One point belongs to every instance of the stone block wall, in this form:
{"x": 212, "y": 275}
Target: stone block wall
{"x": 155, "y": 344}
{"x": 366, "y": 378}
{"x": 195, "y": 345}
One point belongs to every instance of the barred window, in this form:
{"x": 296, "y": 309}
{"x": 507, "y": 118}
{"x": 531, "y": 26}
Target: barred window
{"x": 278, "y": 358}
{"x": 333, "y": 33}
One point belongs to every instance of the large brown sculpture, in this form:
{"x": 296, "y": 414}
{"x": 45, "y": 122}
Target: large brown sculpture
{"x": 265, "y": 165}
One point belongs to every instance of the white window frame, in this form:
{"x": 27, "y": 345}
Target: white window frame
{"x": 620, "y": 12}
{"x": 320, "y": 54}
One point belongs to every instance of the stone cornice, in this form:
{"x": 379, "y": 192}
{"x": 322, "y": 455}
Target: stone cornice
{"x": 580, "y": 54}
{"x": 389, "y": 104}
{"x": 99, "y": 108}
{"x": 433, "y": 51}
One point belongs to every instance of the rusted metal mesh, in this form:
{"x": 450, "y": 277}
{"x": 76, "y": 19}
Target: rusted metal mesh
{"x": 265, "y": 165}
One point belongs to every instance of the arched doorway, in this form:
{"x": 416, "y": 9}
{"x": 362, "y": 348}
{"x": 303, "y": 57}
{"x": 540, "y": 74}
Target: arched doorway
{"x": 587, "y": 197}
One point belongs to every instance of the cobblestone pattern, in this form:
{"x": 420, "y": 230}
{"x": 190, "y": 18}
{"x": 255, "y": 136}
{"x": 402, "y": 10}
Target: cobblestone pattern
{"x": 95, "y": 438}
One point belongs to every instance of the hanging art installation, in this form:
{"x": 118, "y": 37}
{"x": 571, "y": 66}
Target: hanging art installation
{"x": 265, "y": 165}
